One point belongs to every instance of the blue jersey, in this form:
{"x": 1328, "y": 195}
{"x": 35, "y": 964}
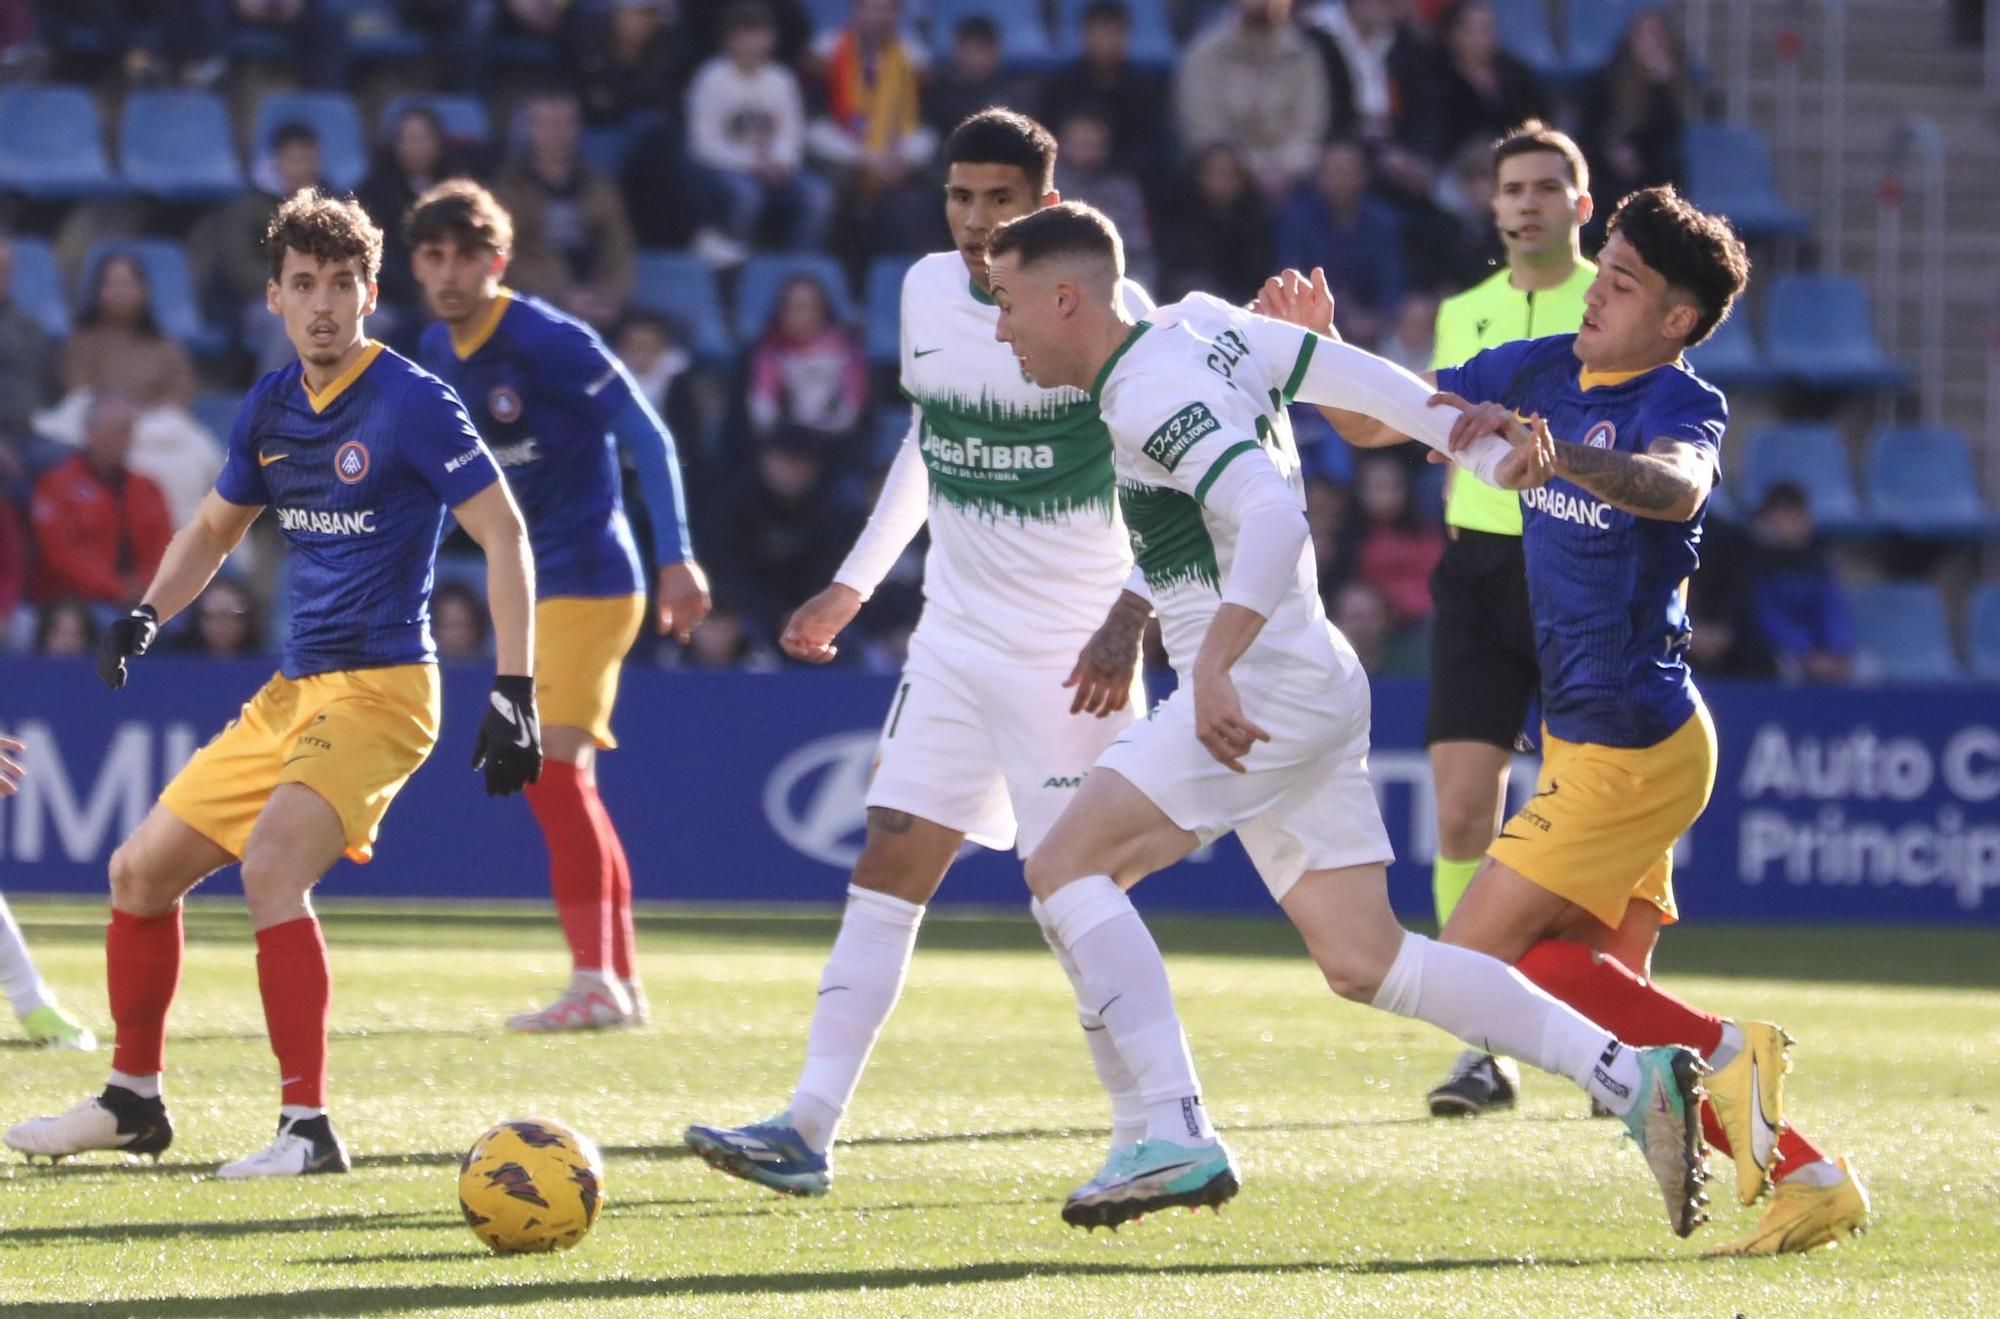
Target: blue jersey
{"x": 360, "y": 478}
{"x": 554, "y": 404}
{"x": 1607, "y": 588}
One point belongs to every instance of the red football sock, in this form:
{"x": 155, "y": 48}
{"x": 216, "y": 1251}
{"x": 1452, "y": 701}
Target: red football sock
{"x": 579, "y": 866}
{"x": 1795, "y": 1151}
{"x": 624, "y": 938}
{"x": 1711, "y": 1130}
{"x": 297, "y": 985}
{"x": 1633, "y": 1009}
{"x": 142, "y": 956}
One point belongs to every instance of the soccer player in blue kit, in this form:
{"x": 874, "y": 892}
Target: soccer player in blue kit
{"x": 558, "y": 408}
{"x": 361, "y": 454}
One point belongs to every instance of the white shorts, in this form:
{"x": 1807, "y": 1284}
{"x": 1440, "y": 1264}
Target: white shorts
{"x": 986, "y": 746}
{"x": 1304, "y": 802}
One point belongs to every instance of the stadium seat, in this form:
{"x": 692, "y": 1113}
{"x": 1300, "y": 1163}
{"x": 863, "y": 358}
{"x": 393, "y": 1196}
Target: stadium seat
{"x": 892, "y": 423}
{"x": 884, "y": 312}
{"x": 464, "y": 117}
{"x": 1900, "y": 632}
{"x": 682, "y": 288}
{"x": 1812, "y": 456}
{"x": 1729, "y": 171}
{"x": 1982, "y": 632}
{"x": 52, "y": 145}
{"x": 1921, "y": 482}
{"x": 1818, "y": 331}
{"x": 1023, "y": 39}
{"x": 1593, "y": 29}
{"x": 1526, "y": 34}
{"x": 757, "y": 289}
{"x": 174, "y": 307}
{"x": 37, "y": 286}
{"x": 1152, "y": 33}
{"x": 217, "y": 412}
{"x": 1730, "y": 358}
{"x": 607, "y": 148}
{"x": 343, "y": 147}
{"x": 177, "y": 146}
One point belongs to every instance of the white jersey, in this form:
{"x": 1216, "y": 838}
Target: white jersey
{"x": 1193, "y": 389}
{"x": 1027, "y": 549}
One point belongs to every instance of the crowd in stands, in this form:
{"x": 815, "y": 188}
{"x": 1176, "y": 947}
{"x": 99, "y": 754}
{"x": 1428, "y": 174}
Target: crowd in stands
{"x": 1226, "y": 137}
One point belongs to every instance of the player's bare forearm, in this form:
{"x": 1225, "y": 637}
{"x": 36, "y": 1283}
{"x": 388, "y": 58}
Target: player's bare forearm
{"x": 1103, "y": 673}
{"x": 196, "y": 553}
{"x": 1667, "y": 482}
{"x": 492, "y": 520}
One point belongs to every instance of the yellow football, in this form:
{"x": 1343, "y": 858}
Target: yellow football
{"x": 531, "y": 1184}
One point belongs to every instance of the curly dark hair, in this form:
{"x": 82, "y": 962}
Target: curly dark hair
{"x": 1698, "y": 254}
{"x": 1005, "y": 137}
{"x": 325, "y": 228}
{"x": 459, "y": 211}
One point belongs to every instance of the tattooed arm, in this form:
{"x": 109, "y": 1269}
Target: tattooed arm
{"x": 1104, "y": 669}
{"x": 1667, "y": 482}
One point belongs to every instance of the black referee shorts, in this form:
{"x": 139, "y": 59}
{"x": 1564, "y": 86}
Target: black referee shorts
{"x": 1483, "y": 669}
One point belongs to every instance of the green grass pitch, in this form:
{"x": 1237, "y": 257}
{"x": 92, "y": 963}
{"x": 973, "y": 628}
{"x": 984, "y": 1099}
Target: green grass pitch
{"x": 978, "y": 1114}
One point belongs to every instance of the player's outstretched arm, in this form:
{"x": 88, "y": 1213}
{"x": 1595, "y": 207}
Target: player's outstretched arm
{"x": 1104, "y": 669}
{"x": 509, "y": 746}
{"x": 190, "y": 562}
{"x": 1307, "y": 302}
{"x": 900, "y": 511}
{"x": 1668, "y": 482}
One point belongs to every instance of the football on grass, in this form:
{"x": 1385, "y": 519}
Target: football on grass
{"x": 531, "y": 1185}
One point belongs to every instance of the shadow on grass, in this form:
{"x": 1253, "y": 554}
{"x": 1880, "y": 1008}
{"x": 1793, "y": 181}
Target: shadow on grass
{"x": 335, "y": 1301}
{"x": 358, "y": 1220}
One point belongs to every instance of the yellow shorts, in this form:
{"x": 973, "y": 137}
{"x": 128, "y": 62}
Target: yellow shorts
{"x": 354, "y": 737}
{"x": 1601, "y": 827}
{"x": 580, "y": 642}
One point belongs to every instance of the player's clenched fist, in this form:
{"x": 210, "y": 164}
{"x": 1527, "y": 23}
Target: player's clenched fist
{"x": 127, "y": 638}
{"x": 810, "y": 631}
{"x": 509, "y": 748}
{"x": 682, "y": 599}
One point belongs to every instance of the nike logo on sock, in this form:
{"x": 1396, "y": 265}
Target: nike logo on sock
{"x": 1107, "y": 1004}
{"x": 828, "y": 990}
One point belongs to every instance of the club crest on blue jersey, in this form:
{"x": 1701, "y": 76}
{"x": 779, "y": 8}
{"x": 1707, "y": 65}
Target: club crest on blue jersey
{"x": 350, "y": 462}
{"x": 1601, "y": 436}
{"x": 504, "y": 404}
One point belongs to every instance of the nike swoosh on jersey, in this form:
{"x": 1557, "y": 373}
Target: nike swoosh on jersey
{"x": 266, "y": 459}
{"x": 926, "y": 352}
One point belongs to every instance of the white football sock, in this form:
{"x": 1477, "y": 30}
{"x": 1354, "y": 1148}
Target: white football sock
{"x": 857, "y": 991}
{"x": 146, "y": 1087}
{"x": 298, "y": 1112}
{"x": 18, "y": 980}
{"x": 1491, "y": 1006}
{"x": 1125, "y": 983}
{"x": 1128, "y": 1108}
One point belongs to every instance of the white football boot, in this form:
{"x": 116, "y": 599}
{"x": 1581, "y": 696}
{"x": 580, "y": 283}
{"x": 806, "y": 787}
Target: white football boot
{"x": 592, "y": 1002}
{"x": 115, "y": 1120}
{"x": 304, "y": 1146}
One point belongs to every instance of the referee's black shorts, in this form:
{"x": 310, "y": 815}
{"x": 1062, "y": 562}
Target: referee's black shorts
{"x": 1483, "y": 669}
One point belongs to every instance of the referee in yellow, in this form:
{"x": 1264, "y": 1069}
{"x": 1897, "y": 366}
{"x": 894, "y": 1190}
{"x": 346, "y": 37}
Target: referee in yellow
{"x": 1483, "y": 669}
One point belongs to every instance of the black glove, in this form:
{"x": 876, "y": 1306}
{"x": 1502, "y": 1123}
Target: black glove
{"x": 509, "y": 748}
{"x": 129, "y": 636}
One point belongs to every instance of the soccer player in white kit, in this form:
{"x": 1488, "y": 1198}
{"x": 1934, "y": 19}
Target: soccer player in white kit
{"x": 1267, "y": 735}
{"x": 981, "y": 741}
{"x": 34, "y": 1003}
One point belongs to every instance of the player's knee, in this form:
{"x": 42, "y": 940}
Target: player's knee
{"x": 1353, "y": 978}
{"x": 1465, "y": 825}
{"x": 133, "y": 888}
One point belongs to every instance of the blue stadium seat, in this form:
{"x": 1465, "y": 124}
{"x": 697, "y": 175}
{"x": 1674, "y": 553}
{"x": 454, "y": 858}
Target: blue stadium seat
{"x": 1982, "y": 632}
{"x": 892, "y": 423}
{"x": 1815, "y": 458}
{"x": 884, "y": 297}
{"x": 177, "y": 146}
{"x": 1526, "y": 34}
{"x": 174, "y": 307}
{"x": 37, "y": 286}
{"x": 682, "y": 288}
{"x": 1152, "y": 33}
{"x": 1594, "y": 29}
{"x": 1730, "y": 358}
{"x": 757, "y": 289}
{"x": 607, "y": 148}
{"x": 218, "y": 413}
{"x": 1818, "y": 330}
{"x": 1921, "y": 482}
{"x": 1900, "y": 632}
{"x": 343, "y": 147}
{"x": 1729, "y": 171}
{"x": 52, "y": 145}
{"x": 828, "y": 13}
{"x": 1023, "y": 39}
{"x": 464, "y": 117}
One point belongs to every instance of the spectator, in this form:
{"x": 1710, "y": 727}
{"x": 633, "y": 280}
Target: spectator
{"x": 1104, "y": 81}
{"x": 972, "y": 80}
{"x": 659, "y": 360}
{"x": 1252, "y": 80}
{"x": 702, "y": 23}
{"x": 119, "y": 349}
{"x": 1085, "y": 173}
{"x": 413, "y": 156}
{"x": 628, "y": 59}
{"x": 226, "y": 625}
{"x": 1398, "y": 548}
{"x": 1327, "y": 521}
{"x": 807, "y": 375}
{"x": 1449, "y": 240}
{"x": 99, "y": 528}
{"x": 724, "y": 641}
{"x": 1477, "y": 90}
{"x": 1217, "y": 235}
{"x": 746, "y": 127}
{"x": 775, "y": 530}
{"x": 572, "y": 241}
{"x": 1722, "y": 606}
{"x": 65, "y": 629}
{"x": 1634, "y": 111}
{"x": 1361, "y": 612}
{"x": 24, "y": 371}
{"x": 226, "y": 248}
{"x": 458, "y": 622}
{"x": 1335, "y": 222}
{"x": 872, "y": 133}
{"x": 1801, "y": 608}
{"x": 13, "y": 566}
{"x": 1375, "y": 65}
{"x": 1412, "y": 340}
